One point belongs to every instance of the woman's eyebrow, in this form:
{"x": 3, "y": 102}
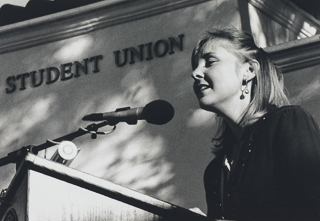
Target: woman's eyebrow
{"x": 208, "y": 55}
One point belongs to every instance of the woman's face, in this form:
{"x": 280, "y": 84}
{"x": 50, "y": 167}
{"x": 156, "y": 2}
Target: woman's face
{"x": 218, "y": 78}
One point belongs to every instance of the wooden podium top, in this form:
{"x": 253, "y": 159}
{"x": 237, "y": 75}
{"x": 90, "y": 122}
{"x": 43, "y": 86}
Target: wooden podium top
{"x": 97, "y": 185}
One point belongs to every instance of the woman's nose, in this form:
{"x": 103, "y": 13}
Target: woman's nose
{"x": 197, "y": 74}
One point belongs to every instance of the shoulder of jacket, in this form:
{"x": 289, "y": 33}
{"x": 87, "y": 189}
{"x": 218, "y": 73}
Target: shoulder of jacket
{"x": 290, "y": 111}
{"x": 285, "y": 110}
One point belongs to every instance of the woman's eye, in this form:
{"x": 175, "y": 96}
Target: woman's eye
{"x": 209, "y": 63}
{"x": 209, "y": 59}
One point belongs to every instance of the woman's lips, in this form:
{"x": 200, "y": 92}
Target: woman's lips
{"x": 200, "y": 89}
{"x": 203, "y": 87}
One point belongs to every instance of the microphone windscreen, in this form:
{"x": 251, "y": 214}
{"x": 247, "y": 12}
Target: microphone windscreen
{"x": 158, "y": 112}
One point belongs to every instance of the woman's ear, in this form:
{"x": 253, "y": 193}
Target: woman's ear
{"x": 251, "y": 68}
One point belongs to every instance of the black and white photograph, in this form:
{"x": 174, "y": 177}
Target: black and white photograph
{"x": 171, "y": 110}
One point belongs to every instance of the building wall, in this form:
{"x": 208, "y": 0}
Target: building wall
{"x": 303, "y": 86}
{"x": 167, "y": 161}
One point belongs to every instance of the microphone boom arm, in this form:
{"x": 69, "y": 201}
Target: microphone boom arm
{"x": 15, "y": 156}
{"x": 156, "y": 112}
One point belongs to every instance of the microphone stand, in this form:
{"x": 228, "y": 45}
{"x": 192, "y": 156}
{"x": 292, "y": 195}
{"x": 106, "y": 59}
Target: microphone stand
{"x": 15, "y": 156}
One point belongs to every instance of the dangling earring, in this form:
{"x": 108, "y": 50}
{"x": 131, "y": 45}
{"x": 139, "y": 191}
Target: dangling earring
{"x": 245, "y": 90}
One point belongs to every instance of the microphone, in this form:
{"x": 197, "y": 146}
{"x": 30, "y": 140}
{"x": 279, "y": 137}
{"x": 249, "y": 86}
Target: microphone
{"x": 156, "y": 112}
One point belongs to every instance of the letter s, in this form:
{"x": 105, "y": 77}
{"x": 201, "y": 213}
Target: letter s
{"x": 11, "y": 83}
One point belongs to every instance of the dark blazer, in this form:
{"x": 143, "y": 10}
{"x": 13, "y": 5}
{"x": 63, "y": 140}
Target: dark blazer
{"x": 276, "y": 173}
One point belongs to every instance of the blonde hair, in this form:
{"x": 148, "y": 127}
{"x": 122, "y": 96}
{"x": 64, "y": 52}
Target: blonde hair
{"x": 267, "y": 90}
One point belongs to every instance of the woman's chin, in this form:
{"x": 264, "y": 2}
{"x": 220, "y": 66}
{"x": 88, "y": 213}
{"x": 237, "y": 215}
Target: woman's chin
{"x": 205, "y": 106}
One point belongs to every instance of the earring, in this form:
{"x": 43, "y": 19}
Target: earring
{"x": 245, "y": 90}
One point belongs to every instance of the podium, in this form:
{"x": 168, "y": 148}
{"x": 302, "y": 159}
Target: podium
{"x": 43, "y": 190}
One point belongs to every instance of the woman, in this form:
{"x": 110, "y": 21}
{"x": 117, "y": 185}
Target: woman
{"x": 267, "y": 153}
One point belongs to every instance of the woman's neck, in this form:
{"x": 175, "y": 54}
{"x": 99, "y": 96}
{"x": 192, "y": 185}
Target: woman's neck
{"x": 233, "y": 118}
